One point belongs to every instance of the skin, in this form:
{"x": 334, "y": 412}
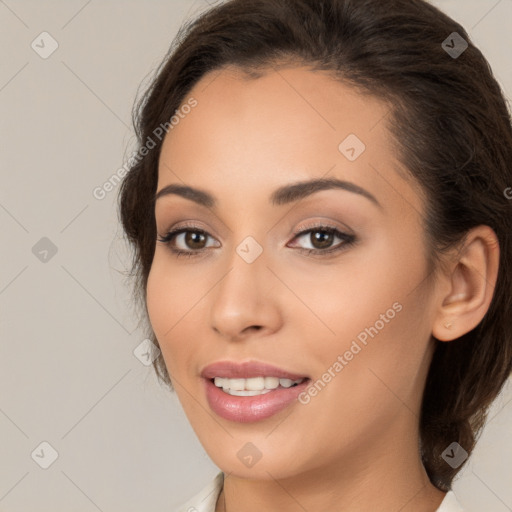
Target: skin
{"x": 354, "y": 446}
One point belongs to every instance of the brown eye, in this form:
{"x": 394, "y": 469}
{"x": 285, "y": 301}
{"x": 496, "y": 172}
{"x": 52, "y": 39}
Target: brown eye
{"x": 194, "y": 239}
{"x": 190, "y": 241}
{"x": 321, "y": 239}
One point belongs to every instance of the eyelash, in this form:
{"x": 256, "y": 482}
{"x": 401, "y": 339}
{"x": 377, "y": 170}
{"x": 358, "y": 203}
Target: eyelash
{"x": 348, "y": 240}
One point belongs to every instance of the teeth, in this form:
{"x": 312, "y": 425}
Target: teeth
{"x": 246, "y": 393}
{"x": 253, "y": 386}
{"x": 271, "y": 382}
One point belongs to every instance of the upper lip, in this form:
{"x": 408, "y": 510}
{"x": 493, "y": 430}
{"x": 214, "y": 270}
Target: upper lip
{"x": 245, "y": 370}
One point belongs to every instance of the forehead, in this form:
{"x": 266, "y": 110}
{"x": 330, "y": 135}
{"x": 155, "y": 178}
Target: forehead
{"x": 285, "y": 106}
{"x": 293, "y": 123}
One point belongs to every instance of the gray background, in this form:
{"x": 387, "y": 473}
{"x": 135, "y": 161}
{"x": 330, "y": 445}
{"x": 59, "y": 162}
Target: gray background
{"x": 68, "y": 374}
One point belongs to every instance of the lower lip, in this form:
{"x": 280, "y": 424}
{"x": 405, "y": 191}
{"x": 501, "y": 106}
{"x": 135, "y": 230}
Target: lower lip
{"x": 245, "y": 409}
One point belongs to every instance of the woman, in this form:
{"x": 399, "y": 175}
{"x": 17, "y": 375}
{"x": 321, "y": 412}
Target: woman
{"x": 320, "y": 224}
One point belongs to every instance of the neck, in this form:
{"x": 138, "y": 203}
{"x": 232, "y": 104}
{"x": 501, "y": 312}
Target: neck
{"x": 387, "y": 476}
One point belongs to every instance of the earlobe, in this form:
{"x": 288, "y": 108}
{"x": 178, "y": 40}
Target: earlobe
{"x": 469, "y": 286}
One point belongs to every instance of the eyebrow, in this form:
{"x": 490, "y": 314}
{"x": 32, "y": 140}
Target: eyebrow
{"x": 283, "y": 195}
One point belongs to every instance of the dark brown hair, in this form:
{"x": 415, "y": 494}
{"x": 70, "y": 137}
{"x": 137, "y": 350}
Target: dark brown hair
{"x": 452, "y": 131}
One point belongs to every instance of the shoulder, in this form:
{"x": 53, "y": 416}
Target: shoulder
{"x": 206, "y": 499}
{"x": 450, "y": 503}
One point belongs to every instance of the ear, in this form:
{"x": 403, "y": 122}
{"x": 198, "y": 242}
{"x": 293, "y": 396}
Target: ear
{"x": 467, "y": 287}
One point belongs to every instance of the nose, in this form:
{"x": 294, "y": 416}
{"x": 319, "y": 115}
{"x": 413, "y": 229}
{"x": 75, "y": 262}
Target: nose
{"x": 242, "y": 303}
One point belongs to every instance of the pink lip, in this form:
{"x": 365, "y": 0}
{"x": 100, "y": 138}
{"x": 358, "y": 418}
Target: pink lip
{"x": 245, "y": 409}
{"x": 232, "y": 370}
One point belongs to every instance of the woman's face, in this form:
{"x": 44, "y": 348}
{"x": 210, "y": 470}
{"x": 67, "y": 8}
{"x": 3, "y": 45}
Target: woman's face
{"x": 354, "y": 316}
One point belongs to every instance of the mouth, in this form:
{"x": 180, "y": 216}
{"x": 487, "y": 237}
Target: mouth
{"x": 252, "y": 405}
{"x": 254, "y": 386}
{"x": 251, "y": 390}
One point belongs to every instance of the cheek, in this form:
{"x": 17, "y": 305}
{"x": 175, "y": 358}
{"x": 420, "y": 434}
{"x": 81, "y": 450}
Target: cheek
{"x": 383, "y": 337}
{"x": 375, "y": 300}
{"x": 173, "y": 300}
{"x": 157, "y": 300}
{"x": 349, "y": 296}
{"x": 170, "y": 293}
{"x": 163, "y": 309}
